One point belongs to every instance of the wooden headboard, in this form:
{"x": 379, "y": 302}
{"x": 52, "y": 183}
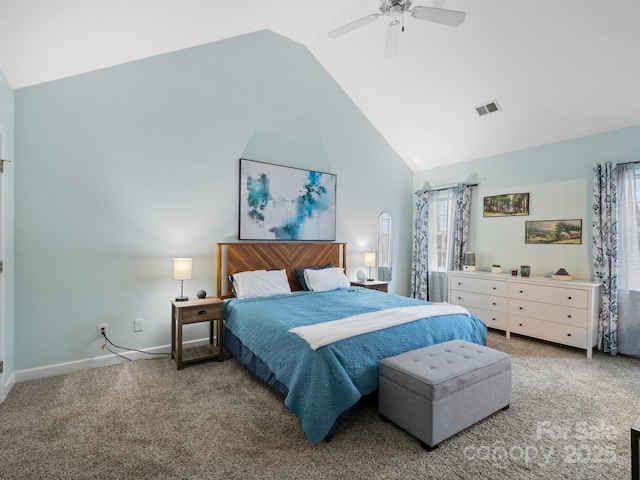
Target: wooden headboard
{"x": 240, "y": 257}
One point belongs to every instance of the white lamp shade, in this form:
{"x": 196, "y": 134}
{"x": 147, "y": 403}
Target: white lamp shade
{"x": 369, "y": 259}
{"x": 181, "y": 268}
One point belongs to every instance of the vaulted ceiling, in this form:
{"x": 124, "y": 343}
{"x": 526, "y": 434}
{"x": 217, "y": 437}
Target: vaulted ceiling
{"x": 558, "y": 69}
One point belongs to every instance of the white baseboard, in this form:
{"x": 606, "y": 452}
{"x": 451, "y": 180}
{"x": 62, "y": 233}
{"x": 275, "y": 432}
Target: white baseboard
{"x": 11, "y": 381}
{"x": 101, "y": 361}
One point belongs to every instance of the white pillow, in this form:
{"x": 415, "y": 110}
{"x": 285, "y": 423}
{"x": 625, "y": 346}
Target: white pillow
{"x": 326, "y": 279}
{"x": 261, "y": 283}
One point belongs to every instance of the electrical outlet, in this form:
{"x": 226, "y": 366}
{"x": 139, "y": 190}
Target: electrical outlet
{"x": 103, "y": 327}
{"x": 138, "y": 325}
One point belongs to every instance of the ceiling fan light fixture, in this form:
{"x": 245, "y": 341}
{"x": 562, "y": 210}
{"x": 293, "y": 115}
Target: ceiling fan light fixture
{"x": 389, "y": 7}
{"x": 395, "y": 9}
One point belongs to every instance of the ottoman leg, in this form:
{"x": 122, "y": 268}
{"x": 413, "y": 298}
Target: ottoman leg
{"x": 429, "y": 448}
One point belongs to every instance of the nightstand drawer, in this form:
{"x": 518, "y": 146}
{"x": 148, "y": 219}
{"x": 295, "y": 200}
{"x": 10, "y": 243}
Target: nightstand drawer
{"x": 373, "y": 285}
{"x": 201, "y": 313}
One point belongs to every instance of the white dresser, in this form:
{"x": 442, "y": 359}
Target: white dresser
{"x": 540, "y": 307}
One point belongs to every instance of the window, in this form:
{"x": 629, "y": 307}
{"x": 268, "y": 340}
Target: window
{"x": 440, "y": 238}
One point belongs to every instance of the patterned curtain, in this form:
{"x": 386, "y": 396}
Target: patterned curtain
{"x": 628, "y": 325}
{"x": 461, "y": 227}
{"x": 420, "y": 260}
{"x": 605, "y": 252}
{"x": 441, "y": 236}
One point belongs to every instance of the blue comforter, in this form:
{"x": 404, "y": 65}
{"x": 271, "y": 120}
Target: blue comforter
{"x": 324, "y": 383}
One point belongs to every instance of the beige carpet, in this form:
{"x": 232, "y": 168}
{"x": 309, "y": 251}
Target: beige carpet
{"x": 570, "y": 418}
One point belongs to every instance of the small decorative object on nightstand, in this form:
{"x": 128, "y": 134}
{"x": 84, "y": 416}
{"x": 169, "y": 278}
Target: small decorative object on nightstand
{"x": 373, "y": 285}
{"x": 195, "y": 311}
{"x": 361, "y": 276}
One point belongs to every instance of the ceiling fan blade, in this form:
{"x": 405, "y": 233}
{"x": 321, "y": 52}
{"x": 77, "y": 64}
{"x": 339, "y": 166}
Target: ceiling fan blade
{"x": 391, "y": 45}
{"x": 452, "y": 18}
{"x": 353, "y": 25}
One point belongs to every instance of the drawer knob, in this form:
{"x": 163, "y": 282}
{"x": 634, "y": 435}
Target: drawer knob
{"x": 493, "y": 303}
{"x": 494, "y": 288}
{"x": 202, "y": 312}
{"x": 568, "y": 334}
{"x": 520, "y": 308}
{"x": 568, "y": 298}
{"x": 459, "y": 283}
{"x": 520, "y": 324}
{"x": 521, "y": 291}
{"x": 568, "y": 316}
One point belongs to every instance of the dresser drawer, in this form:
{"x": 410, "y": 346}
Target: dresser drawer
{"x": 554, "y": 332}
{"x": 557, "y": 296}
{"x": 496, "y": 320}
{"x": 202, "y": 313}
{"x": 545, "y": 311}
{"x": 476, "y": 300}
{"x": 479, "y": 285}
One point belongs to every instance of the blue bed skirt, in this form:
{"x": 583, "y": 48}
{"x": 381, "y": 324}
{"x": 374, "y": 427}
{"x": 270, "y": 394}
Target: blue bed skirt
{"x": 252, "y": 363}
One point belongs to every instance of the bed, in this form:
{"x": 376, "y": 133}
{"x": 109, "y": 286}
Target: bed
{"x": 320, "y": 382}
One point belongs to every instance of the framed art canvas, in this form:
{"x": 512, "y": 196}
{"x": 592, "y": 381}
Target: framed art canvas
{"x": 554, "y": 231}
{"x": 511, "y": 204}
{"x": 284, "y": 203}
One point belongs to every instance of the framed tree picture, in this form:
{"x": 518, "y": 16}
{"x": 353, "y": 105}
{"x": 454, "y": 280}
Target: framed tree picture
{"x": 284, "y": 203}
{"x": 567, "y": 232}
{"x": 509, "y": 205}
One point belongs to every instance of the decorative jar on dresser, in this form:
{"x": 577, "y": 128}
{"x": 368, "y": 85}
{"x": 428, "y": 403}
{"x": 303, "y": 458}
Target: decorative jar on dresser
{"x": 541, "y": 307}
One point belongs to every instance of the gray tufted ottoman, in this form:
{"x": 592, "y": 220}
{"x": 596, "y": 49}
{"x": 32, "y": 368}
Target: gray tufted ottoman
{"x": 438, "y": 391}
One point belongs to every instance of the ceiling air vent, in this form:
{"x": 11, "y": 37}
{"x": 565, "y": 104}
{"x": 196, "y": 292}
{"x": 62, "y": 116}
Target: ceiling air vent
{"x": 487, "y": 108}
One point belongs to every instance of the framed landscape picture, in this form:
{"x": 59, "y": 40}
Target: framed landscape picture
{"x": 511, "y": 204}
{"x": 568, "y": 232}
{"x": 284, "y": 203}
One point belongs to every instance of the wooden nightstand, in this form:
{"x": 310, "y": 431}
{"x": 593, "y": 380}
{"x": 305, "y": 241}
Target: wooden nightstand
{"x": 372, "y": 285}
{"x": 196, "y": 311}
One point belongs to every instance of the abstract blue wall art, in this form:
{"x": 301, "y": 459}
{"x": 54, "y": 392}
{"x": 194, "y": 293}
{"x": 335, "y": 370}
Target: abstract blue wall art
{"x": 284, "y": 203}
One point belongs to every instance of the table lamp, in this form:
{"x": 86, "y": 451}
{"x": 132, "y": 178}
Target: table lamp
{"x": 370, "y": 261}
{"x": 182, "y": 272}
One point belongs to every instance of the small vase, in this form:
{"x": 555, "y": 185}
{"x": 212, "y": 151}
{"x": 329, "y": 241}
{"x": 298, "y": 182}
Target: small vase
{"x": 496, "y": 270}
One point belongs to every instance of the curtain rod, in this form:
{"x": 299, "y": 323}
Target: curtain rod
{"x": 445, "y": 188}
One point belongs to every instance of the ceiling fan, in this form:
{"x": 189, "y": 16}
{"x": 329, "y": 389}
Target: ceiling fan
{"x": 395, "y": 9}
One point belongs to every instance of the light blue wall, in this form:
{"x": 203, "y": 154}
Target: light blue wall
{"x": 7, "y": 302}
{"x": 558, "y": 178}
{"x": 122, "y": 169}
